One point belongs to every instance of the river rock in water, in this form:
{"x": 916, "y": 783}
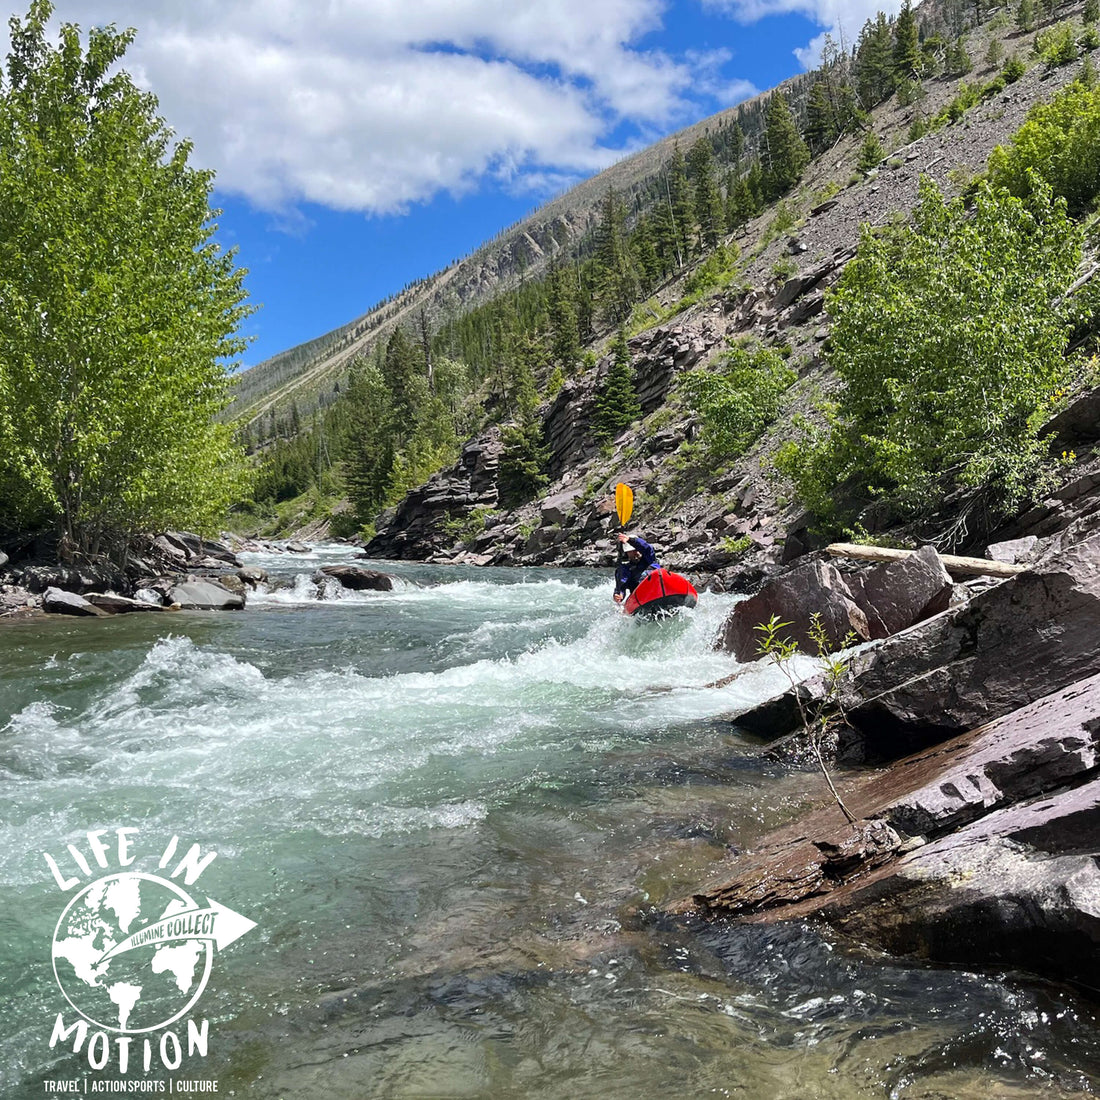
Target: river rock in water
{"x": 59, "y": 602}
{"x": 1011, "y": 644}
{"x": 979, "y": 851}
{"x": 357, "y": 578}
{"x": 200, "y": 595}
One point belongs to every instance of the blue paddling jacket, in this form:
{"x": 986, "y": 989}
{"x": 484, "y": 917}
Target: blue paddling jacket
{"x": 629, "y": 574}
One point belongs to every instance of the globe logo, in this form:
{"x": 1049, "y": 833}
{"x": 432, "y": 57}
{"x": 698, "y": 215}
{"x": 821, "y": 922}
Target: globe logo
{"x": 132, "y": 952}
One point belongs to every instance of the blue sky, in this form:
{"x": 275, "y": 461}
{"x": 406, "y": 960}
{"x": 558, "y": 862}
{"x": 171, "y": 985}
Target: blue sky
{"x": 361, "y": 144}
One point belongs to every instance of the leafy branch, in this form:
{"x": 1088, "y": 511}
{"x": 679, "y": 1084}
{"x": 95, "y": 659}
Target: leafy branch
{"x": 817, "y": 715}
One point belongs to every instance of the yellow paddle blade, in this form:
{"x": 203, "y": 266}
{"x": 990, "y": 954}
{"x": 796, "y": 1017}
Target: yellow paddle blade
{"x": 624, "y": 502}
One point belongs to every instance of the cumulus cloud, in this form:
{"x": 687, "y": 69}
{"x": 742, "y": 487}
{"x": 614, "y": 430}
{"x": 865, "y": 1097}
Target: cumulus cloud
{"x": 842, "y": 19}
{"x": 375, "y": 104}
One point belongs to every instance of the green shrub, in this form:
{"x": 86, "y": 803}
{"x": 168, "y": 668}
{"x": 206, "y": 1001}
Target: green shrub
{"x": 948, "y": 349}
{"x": 1013, "y": 69}
{"x": 1059, "y": 140}
{"x": 738, "y": 401}
{"x": 1056, "y": 45}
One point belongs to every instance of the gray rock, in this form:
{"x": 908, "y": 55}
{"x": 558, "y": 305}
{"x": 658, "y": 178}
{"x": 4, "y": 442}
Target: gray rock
{"x": 253, "y": 575}
{"x": 59, "y": 602}
{"x": 556, "y": 509}
{"x": 358, "y": 578}
{"x": 980, "y": 851}
{"x": 1010, "y": 645}
{"x": 233, "y": 583}
{"x": 1014, "y": 551}
{"x": 297, "y": 547}
{"x": 120, "y": 605}
{"x": 810, "y": 587}
{"x": 901, "y": 593}
{"x": 200, "y": 595}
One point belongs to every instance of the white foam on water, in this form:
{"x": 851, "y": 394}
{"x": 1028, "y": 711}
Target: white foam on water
{"x": 340, "y": 751}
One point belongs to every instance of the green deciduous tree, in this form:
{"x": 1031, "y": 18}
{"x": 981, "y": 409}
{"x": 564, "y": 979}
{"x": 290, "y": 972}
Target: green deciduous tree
{"x": 1059, "y": 143}
{"x": 949, "y": 337}
{"x": 739, "y": 400}
{"x": 117, "y": 308}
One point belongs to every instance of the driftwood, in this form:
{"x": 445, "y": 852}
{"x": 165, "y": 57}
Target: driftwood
{"x": 967, "y": 567}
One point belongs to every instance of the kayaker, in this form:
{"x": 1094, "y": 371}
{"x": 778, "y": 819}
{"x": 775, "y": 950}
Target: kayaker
{"x": 640, "y": 559}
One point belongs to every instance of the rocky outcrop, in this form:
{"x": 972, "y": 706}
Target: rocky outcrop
{"x": 57, "y": 601}
{"x": 982, "y": 850}
{"x": 811, "y": 588}
{"x": 1011, "y": 644}
{"x": 415, "y": 530}
{"x": 356, "y": 578}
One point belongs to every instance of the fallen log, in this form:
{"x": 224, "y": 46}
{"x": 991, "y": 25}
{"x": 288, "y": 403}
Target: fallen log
{"x": 966, "y": 567}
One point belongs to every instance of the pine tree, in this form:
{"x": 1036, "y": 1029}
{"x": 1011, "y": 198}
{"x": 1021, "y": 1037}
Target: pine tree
{"x": 616, "y": 405}
{"x": 786, "y": 151}
{"x": 682, "y": 204}
{"x": 870, "y": 152}
{"x": 873, "y": 67}
{"x": 822, "y": 127}
{"x": 369, "y": 451}
{"x": 616, "y": 278}
{"x": 740, "y": 205}
{"x": 708, "y": 202}
{"x": 907, "y": 52}
{"x": 521, "y": 474}
{"x": 1092, "y": 12}
{"x": 1025, "y": 15}
{"x": 565, "y": 345}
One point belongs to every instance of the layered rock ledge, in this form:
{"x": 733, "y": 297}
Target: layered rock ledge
{"x": 982, "y": 848}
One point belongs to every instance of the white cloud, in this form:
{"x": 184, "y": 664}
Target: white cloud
{"x": 374, "y": 104}
{"x": 842, "y": 19}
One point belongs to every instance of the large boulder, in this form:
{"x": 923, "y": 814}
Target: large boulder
{"x": 199, "y": 595}
{"x": 358, "y": 578}
{"x": 1011, "y": 644}
{"x": 901, "y": 593}
{"x": 194, "y": 547}
{"x": 811, "y": 587}
{"x": 59, "y": 602}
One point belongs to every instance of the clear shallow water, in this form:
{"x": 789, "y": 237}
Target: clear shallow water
{"x": 452, "y": 811}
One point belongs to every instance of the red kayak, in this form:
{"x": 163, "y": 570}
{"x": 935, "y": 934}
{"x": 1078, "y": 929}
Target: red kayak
{"x": 660, "y": 593}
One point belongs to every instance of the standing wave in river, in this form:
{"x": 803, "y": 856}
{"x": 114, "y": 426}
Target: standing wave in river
{"x": 454, "y": 811}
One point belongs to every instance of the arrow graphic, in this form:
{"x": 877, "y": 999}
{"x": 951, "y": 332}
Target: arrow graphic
{"x": 217, "y": 923}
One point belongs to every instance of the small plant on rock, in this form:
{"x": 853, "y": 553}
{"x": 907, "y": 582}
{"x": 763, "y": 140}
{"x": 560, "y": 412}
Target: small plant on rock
{"x": 819, "y": 715}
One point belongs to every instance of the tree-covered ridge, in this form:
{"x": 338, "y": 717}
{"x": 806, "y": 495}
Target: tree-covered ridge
{"x": 117, "y": 309}
{"x": 531, "y": 337}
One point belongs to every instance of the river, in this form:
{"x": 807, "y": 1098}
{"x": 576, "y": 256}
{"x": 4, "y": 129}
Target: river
{"x": 453, "y": 812}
